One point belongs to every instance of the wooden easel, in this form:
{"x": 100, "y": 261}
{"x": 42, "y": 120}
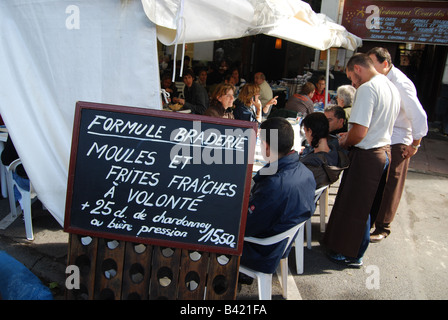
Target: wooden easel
{"x": 120, "y": 270}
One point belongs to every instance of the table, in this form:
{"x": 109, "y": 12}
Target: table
{"x": 260, "y": 162}
{"x": 181, "y": 111}
{"x": 299, "y": 137}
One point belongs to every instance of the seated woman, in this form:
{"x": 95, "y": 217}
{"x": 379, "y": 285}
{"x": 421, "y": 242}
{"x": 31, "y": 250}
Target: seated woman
{"x": 221, "y": 102}
{"x": 345, "y": 96}
{"x": 248, "y": 105}
{"x": 321, "y": 154}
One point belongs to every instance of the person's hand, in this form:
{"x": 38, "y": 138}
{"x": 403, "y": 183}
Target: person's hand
{"x": 342, "y": 138}
{"x": 408, "y": 152}
{"x": 256, "y": 103}
{"x": 273, "y": 101}
{"x": 179, "y": 100}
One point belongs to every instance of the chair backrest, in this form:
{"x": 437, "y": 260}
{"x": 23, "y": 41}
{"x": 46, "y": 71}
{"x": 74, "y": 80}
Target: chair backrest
{"x": 12, "y": 168}
{"x": 318, "y": 193}
{"x": 13, "y": 165}
{"x": 289, "y": 234}
{"x": 180, "y": 85}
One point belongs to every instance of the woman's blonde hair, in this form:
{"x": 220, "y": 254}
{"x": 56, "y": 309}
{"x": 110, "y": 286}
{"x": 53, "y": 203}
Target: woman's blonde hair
{"x": 221, "y": 90}
{"x": 247, "y": 92}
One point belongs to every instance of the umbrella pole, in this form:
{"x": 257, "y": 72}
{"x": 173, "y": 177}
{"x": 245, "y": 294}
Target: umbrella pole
{"x": 327, "y": 75}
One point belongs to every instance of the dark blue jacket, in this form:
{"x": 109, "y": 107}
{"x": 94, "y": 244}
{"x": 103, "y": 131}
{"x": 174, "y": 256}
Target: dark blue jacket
{"x": 277, "y": 203}
{"x": 241, "y": 112}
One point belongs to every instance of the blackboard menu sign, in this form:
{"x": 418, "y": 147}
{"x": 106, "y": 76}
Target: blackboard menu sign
{"x": 397, "y": 21}
{"x": 159, "y": 177}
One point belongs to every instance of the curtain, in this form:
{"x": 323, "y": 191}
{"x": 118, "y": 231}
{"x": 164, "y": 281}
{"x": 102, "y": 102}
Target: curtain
{"x": 54, "y": 53}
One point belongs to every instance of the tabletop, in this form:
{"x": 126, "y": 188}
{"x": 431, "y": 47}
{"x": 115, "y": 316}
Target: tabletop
{"x": 299, "y": 137}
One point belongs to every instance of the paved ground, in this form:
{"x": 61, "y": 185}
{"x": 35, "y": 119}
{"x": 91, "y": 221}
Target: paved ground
{"x": 410, "y": 264}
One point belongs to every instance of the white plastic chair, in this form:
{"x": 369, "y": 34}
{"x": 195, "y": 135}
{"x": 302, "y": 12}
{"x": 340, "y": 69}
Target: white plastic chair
{"x": 4, "y": 188}
{"x": 264, "y": 280}
{"x": 180, "y": 86}
{"x": 25, "y": 202}
{"x": 299, "y": 242}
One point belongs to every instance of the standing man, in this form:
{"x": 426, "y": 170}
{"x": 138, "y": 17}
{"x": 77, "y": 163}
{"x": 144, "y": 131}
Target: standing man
{"x": 374, "y": 111}
{"x": 409, "y": 129}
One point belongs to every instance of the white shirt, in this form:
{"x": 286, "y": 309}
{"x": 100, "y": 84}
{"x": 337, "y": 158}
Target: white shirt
{"x": 265, "y": 93}
{"x": 376, "y": 106}
{"x": 411, "y": 123}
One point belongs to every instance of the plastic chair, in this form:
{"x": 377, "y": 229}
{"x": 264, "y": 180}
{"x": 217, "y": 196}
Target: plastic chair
{"x": 180, "y": 86}
{"x": 25, "y": 202}
{"x": 264, "y": 280}
{"x": 299, "y": 242}
{"x": 3, "y": 170}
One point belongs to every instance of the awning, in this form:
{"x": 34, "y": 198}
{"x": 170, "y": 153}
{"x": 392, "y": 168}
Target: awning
{"x": 54, "y": 53}
{"x": 200, "y": 20}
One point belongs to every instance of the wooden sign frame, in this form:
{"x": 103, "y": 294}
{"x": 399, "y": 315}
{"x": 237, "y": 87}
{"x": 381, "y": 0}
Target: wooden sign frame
{"x": 161, "y": 116}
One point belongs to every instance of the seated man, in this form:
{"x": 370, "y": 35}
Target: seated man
{"x": 8, "y": 155}
{"x": 319, "y": 93}
{"x": 267, "y": 98}
{"x": 301, "y": 102}
{"x": 278, "y": 201}
{"x": 196, "y": 97}
{"x": 336, "y": 119}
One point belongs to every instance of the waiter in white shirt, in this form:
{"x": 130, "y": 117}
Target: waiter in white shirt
{"x": 375, "y": 109}
{"x": 409, "y": 129}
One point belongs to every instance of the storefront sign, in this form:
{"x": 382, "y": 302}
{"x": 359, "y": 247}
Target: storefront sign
{"x": 397, "y": 21}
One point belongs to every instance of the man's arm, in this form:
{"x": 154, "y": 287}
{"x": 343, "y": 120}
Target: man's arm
{"x": 411, "y": 149}
{"x": 354, "y": 136}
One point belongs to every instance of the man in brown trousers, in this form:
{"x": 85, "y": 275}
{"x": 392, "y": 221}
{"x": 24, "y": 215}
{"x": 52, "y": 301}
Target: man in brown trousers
{"x": 375, "y": 108}
{"x": 409, "y": 129}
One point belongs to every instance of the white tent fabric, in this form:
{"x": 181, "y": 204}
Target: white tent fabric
{"x": 201, "y": 20}
{"x": 54, "y": 53}
{"x": 297, "y": 22}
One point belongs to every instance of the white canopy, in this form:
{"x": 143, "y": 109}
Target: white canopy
{"x": 203, "y": 20}
{"x": 54, "y": 53}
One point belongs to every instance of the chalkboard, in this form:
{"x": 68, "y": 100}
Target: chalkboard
{"x": 159, "y": 177}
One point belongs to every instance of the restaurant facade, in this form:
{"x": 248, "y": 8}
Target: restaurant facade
{"x": 416, "y": 35}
